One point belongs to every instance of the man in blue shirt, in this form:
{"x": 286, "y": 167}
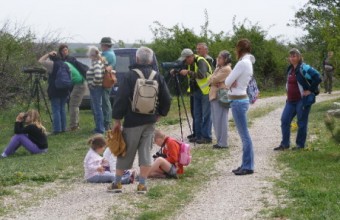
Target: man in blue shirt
{"x": 110, "y": 57}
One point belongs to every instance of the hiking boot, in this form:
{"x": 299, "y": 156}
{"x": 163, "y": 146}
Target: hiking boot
{"x": 75, "y": 128}
{"x": 297, "y": 148}
{"x": 203, "y": 141}
{"x": 141, "y": 189}
{"x": 236, "y": 170}
{"x": 216, "y": 146}
{"x": 190, "y": 136}
{"x": 192, "y": 140}
{"x": 115, "y": 188}
{"x": 281, "y": 148}
{"x": 242, "y": 172}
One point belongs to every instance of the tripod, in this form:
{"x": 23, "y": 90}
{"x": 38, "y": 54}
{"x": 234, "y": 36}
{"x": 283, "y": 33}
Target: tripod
{"x": 35, "y": 92}
{"x": 180, "y": 99}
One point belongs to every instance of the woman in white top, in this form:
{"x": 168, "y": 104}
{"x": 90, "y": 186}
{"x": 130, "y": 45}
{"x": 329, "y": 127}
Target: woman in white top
{"x": 237, "y": 82}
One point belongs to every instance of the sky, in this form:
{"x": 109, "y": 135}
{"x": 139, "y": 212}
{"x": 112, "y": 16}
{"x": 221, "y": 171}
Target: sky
{"x": 87, "y": 21}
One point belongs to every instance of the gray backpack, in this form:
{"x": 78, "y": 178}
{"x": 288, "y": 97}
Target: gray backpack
{"x": 145, "y": 95}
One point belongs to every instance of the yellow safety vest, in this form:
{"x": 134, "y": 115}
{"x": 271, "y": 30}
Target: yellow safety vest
{"x": 202, "y": 83}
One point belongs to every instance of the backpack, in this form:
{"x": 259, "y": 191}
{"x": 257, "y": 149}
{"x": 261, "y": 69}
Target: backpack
{"x": 184, "y": 153}
{"x": 145, "y": 95}
{"x": 252, "y": 90}
{"x": 304, "y": 68}
{"x": 109, "y": 79}
{"x": 76, "y": 77}
{"x": 63, "y": 78}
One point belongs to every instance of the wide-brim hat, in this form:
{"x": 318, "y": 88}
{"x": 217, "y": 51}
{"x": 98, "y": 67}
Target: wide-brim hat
{"x": 106, "y": 41}
{"x": 185, "y": 53}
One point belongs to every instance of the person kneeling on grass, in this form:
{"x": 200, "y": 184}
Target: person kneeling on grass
{"x": 166, "y": 160}
{"x": 97, "y": 169}
{"x": 29, "y": 133}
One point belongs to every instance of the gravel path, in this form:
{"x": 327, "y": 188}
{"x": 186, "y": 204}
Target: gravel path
{"x": 225, "y": 197}
{"x": 242, "y": 197}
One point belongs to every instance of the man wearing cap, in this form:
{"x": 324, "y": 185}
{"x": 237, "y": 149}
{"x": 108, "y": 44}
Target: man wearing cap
{"x": 302, "y": 87}
{"x": 110, "y": 57}
{"x": 199, "y": 71}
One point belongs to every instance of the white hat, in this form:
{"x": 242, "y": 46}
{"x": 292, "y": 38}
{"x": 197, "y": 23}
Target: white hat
{"x": 186, "y": 53}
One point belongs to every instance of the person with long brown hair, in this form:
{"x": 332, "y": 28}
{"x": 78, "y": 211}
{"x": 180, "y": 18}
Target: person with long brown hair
{"x": 29, "y": 133}
{"x": 238, "y": 81}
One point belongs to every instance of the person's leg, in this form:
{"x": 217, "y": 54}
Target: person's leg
{"x": 160, "y": 166}
{"x": 206, "y": 118}
{"x": 223, "y": 127}
{"x": 287, "y": 116}
{"x": 198, "y": 114}
{"x": 302, "y": 121}
{"x": 75, "y": 101}
{"x": 106, "y": 177}
{"x": 239, "y": 110}
{"x": 325, "y": 81}
{"x": 63, "y": 102}
{"x": 96, "y": 94}
{"x": 144, "y": 152}
{"x": 21, "y": 139}
{"x": 107, "y": 108}
{"x": 214, "y": 118}
{"x": 56, "y": 115}
{"x": 330, "y": 85}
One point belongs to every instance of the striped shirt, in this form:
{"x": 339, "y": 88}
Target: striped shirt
{"x": 94, "y": 75}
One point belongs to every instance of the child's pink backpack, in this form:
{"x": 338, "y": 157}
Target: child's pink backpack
{"x": 184, "y": 154}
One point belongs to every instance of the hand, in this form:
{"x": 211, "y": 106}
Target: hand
{"x": 173, "y": 72}
{"x": 306, "y": 93}
{"x": 116, "y": 125}
{"x": 52, "y": 53}
{"x": 101, "y": 169}
{"x": 184, "y": 72}
{"x": 20, "y": 117}
{"x": 108, "y": 68}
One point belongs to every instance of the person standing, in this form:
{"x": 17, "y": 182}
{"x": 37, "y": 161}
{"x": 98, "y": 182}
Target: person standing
{"x": 57, "y": 96}
{"x": 203, "y": 50}
{"x": 300, "y": 97}
{"x": 79, "y": 86}
{"x": 138, "y": 128}
{"x": 110, "y": 57}
{"x": 328, "y": 71}
{"x": 199, "y": 71}
{"x": 237, "y": 83}
{"x": 94, "y": 77}
{"x": 219, "y": 113}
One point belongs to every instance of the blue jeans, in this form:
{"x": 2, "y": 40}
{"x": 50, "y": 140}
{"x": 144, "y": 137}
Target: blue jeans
{"x": 96, "y": 94}
{"x": 107, "y": 108}
{"x": 202, "y": 115}
{"x": 59, "y": 114}
{"x": 291, "y": 110}
{"x": 239, "y": 110}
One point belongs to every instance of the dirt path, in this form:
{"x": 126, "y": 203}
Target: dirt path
{"x": 227, "y": 197}
{"x": 243, "y": 197}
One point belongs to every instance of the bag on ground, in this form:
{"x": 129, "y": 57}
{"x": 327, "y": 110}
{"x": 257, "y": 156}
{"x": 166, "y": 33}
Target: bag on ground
{"x": 145, "y": 95}
{"x": 109, "y": 79}
{"x": 63, "y": 78}
{"x": 115, "y": 142}
{"x": 185, "y": 153}
{"x": 252, "y": 90}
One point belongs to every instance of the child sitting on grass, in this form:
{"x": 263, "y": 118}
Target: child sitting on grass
{"x": 166, "y": 160}
{"x": 29, "y": 133}
{"x": 97, "y": 168}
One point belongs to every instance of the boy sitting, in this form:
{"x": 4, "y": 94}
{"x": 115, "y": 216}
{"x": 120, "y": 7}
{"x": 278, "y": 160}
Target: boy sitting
{"x": 166, "y": 160}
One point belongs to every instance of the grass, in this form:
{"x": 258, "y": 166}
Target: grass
{"x": 312, "y": 179}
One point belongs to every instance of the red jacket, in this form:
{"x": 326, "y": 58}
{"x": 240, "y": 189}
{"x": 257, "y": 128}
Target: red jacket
{"x": 172, "y": 150}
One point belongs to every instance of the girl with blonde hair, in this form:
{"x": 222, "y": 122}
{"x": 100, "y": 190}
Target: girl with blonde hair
{"x": 29, "y": 133}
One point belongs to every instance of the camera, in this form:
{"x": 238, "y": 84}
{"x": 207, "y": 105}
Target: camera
{"x": 177, "y": 65}
{"x": 34, "y": 70}
{"x": 159, "y": 154}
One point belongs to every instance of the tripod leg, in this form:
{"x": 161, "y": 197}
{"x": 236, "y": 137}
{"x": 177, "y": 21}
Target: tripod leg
{"x": 45, "y": 101}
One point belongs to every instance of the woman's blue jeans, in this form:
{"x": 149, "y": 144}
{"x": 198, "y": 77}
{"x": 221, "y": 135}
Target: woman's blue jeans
{"x": 291, "y": 110}
{"x": 96, "y": 94}
{"x": 239, "y": 110}
{"x": 59, "y": 114}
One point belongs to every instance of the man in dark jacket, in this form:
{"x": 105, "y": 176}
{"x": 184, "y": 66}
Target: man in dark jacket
{"x": 138, "y": 128}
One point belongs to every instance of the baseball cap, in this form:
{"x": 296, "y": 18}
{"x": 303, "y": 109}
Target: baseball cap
{"x": 185, "y": 53}
{"x": 294, "y": 51}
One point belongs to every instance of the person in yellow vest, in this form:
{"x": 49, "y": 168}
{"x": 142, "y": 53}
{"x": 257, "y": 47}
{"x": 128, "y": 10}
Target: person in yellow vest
{"x": 198, "y": 72}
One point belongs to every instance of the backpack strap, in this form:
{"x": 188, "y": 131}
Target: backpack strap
{"x": 141, "y": 75}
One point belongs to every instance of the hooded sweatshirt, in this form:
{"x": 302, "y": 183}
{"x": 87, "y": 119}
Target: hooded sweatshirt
{"x": 241, "y": 74}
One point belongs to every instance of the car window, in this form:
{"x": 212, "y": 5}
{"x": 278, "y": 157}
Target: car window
{"x": 122, "y": 63}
